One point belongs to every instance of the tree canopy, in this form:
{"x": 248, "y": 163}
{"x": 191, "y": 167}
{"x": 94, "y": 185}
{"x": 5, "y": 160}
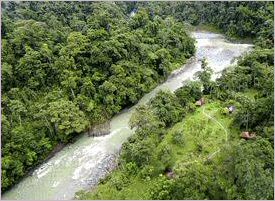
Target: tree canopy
{"x": 67, "y": 66}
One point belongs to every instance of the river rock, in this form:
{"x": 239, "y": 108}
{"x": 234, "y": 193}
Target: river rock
{"x": 99, "y": 130}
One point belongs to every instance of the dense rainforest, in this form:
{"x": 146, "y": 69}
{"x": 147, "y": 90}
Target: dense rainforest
{"x": 181, "y": 151}
{"x": 252, "y": 20}
{"x": 67, "y": 66}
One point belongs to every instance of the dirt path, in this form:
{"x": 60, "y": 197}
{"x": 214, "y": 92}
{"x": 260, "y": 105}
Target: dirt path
{"x": 215, "y": 152}
{"x": 214, "y": 119}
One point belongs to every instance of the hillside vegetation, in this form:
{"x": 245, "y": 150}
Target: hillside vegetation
{"x": 180, "y": 151}
{"x": 67, "y": 66}
{"x": 236, "y": 19}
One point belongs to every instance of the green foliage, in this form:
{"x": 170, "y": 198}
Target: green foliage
{"x": 178, "y": 138}
{"x": 167, "y": 108}
{"x": 235, "y": 172}
{"x": 67, "y": 66}
{"x": 190, "y": 93}
{"x": 139, "y": 151}
{"x": 236, "y": 19}
{"x": 66, "y": 118}
{"x": 224, "y": 111}
{"x": 147, "y": 172}
{"x": 208, "y": 166}
{"x": 131, "y": 168}
{"x": 161, "y": 189}
{"x": 252, "y": 73}
{"x": 119, "y": 181}
{"x": 250, "y": 167}
{"x": 205, "y": 77}
{"x": 193, "y": 183}
{"x": 146, "y": 122}
{"x": 164, "y": 155}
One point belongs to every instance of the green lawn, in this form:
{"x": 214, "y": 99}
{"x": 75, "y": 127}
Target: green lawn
{"x": 203, "y": 136}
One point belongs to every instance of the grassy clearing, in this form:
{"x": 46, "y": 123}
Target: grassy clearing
{"x": 203, "y": 136}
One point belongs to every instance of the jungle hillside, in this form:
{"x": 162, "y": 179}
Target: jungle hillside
{"x": 69, "y": 66}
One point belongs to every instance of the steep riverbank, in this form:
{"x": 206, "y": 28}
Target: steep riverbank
{"x": 76, "y": 167}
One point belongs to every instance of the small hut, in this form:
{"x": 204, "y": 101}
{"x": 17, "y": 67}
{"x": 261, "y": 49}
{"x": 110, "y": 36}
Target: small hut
{"x": 169, "y": 173}
{"x": 231, "y": 108}
{"x": 246, "y": 135}
{"x": 200, "y": 102}
{"x": 108, "y": 28}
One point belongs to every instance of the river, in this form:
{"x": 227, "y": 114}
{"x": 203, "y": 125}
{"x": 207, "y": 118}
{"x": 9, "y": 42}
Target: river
{"x": 80, "y": 165}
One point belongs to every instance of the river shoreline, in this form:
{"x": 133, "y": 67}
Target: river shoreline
{"x": 60, "y": 146}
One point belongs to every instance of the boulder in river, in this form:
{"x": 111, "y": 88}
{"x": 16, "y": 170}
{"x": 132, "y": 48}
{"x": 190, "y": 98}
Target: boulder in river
{"x": 99, "y": 130}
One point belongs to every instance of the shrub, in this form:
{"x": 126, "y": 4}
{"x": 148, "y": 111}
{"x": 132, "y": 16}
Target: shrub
{"x": 178, "y": 138}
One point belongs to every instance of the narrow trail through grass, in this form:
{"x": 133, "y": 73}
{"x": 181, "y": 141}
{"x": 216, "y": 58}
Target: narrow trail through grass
{"x": 210, "y": 156}
{"x": 214, "y": 119}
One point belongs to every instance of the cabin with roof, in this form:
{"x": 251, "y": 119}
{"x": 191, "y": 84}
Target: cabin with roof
{"x": 231, "y": 109}
{"x": 200, "y": 102}
{"x": 247, "y": 136}
{"x": 169, "y": 173}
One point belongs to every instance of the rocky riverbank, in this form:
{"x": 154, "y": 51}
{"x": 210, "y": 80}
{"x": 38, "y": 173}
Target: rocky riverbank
{"x": 105, "y": 167}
